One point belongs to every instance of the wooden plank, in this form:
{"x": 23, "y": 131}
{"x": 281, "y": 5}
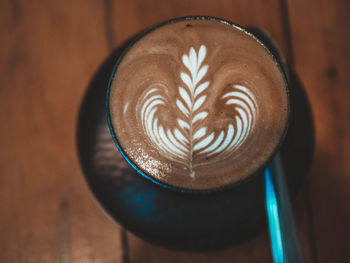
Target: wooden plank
{"x": 49, "y": 51}
{"x": 321, "y": 43}
{"x": 129, "y": 17}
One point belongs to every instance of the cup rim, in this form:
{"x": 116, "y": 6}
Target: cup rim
{"x": 138, "y": 37}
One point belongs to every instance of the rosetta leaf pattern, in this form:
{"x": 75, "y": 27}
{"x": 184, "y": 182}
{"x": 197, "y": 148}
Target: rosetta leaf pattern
{"x": 190, "y": 137}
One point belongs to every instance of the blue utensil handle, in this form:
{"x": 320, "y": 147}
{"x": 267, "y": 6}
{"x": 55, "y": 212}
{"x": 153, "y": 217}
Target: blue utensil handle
{"x": 285, "y": 245}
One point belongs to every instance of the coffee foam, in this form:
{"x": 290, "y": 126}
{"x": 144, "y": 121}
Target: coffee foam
{"x": 198, "y": 104}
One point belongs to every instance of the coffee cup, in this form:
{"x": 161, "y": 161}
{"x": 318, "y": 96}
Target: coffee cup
{"x": 190, "y": 213}
{"x": 197, "y": 104}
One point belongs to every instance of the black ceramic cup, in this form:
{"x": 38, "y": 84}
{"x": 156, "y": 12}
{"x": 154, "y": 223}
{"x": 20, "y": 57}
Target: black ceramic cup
{"x": 114, "y": 134}
{"x": 172, "y": 217}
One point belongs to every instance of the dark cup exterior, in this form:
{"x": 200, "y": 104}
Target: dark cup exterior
{"x": 171, "y": 217}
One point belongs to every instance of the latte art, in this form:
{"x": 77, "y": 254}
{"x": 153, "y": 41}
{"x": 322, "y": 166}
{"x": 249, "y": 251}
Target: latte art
{"x": 198, "y": 104}
{"x": 188, "y": 139}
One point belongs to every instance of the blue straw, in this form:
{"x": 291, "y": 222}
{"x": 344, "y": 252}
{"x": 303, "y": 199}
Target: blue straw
{"x": 273, "y": 218}
{"x": 285, "y": 245}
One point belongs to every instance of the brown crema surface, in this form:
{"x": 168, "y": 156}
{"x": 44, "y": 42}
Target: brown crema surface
{"x": 198, "y": 104}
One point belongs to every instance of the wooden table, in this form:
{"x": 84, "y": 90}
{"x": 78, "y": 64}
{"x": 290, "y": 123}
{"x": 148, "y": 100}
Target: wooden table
{"x": 49, "y": 51}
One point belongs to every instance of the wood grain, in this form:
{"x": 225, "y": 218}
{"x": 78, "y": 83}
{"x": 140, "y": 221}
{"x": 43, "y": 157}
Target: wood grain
{"x": 49, "y": 52}
{"x": 321, "y": 44}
